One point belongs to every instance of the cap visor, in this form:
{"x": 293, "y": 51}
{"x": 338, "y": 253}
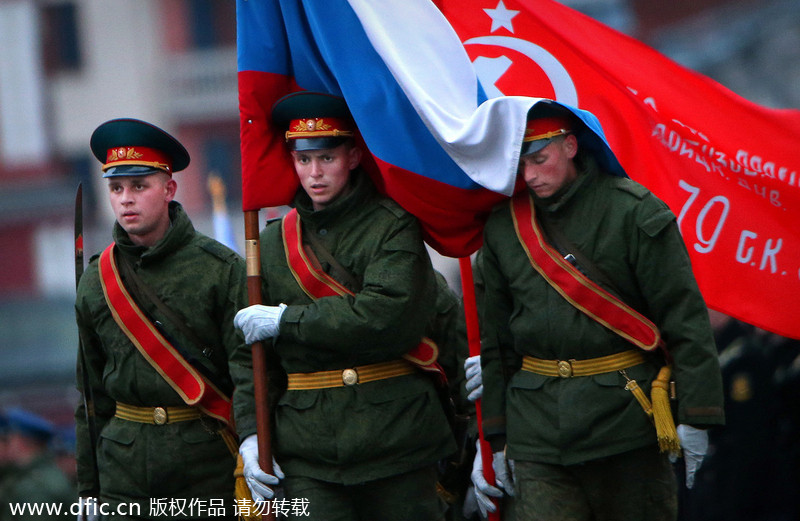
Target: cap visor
{"x": 531, "y": 147}
{"x": 317, "y": 143}
{"x": 130, "y": 170}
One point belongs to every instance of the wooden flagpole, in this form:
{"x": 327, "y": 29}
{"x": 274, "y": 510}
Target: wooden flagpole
{"x": 260, "y": 379}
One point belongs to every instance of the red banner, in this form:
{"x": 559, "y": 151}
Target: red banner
{"x": 726, "y": 167}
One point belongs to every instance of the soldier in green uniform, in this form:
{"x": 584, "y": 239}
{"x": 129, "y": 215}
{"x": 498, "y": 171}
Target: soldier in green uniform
{"x": 359, "y": 429}
{"x": 155, "y": 314}
{"x": 570, "y": 438}
{"x": 34, "y": 479}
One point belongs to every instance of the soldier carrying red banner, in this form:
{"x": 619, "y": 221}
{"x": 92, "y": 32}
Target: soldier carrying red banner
{"x": 590, "y": 313}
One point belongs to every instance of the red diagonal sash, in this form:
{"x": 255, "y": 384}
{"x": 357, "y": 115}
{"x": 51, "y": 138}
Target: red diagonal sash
{"x": 314, "y": 282}
{"x": 574, "y": 286}
{"x": 317, "y": 284}
{"x": 192, "y": 387}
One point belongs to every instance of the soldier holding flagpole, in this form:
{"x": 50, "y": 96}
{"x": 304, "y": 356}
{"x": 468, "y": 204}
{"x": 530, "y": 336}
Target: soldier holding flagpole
{"x": 349, "y": 291}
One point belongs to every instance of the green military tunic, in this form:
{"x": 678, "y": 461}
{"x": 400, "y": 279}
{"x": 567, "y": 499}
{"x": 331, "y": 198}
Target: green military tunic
{"x": 633, "y": 238}
{"x": 449, "y": 331}
{"x": 203, "y": 282}
{"x": 365, "y": 432}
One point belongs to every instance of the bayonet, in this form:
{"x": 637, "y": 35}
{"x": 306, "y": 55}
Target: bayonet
{"x": 88, "y": 401}
{"x": 78, "y": 234}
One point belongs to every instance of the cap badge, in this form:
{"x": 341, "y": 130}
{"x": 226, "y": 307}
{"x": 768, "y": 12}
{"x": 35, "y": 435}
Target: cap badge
{"x": 311, "y": 125}
{"x": 118, "y": 154}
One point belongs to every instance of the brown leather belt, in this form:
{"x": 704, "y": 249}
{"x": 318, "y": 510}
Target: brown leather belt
{"x": 156, "y": 415}
{"x": 592, "y": 366}
{"x": 351, "y": 376}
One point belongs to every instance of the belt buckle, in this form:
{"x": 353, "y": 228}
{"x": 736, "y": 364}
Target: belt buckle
{"x": 564, "y": 369}
{"x": 160, "y": 416}
{"x": 349, "y": 377}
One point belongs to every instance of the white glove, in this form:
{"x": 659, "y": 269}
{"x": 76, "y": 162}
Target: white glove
{"x": 258, "y": 481}
{"x": 694, "y": 443}
{"x": 501, "y": 474}
{"x": 470, "y": 507}
{"x": 481, "y": 490}
{"x": 259, "y": 322}
{"x": 474, "y": 383}
{"x": 90, "y": 509}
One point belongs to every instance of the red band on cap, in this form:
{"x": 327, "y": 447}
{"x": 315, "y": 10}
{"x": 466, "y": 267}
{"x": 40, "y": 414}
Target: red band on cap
{"x": 138, "y": 156}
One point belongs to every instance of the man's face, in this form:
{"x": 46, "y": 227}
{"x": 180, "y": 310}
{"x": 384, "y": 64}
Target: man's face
{"x": 325, "y": 174}
{"x": 551, "y": 168}
{"x": 141, "y": 205}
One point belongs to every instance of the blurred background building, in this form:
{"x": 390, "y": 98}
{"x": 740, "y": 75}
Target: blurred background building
{"x": 68, "y": 65}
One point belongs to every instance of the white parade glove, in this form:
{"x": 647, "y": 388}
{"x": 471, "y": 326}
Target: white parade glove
{"x": 474, "y": 383}
{"x": 470, "y": 506}
{"x": 694, "y": 443}
{"x": 88, "y": 517}
{"x": 259, "y": 322}
{"x": 480, "y": 490}
{"x": 90, "y": 509}
{"x": 258, "y": 481}
{"x": 501, "y": 474}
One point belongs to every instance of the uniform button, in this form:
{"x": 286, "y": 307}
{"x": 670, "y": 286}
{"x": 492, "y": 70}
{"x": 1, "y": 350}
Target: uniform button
{"x": 159, "y": 416}
{"x": 323, "y": 232}
{"x": 349, "y": 377}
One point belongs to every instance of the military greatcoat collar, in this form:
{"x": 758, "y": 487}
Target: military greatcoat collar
{"x": 179, "y": 233}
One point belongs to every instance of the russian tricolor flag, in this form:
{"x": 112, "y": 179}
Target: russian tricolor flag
{"x": 438, "y": 146}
